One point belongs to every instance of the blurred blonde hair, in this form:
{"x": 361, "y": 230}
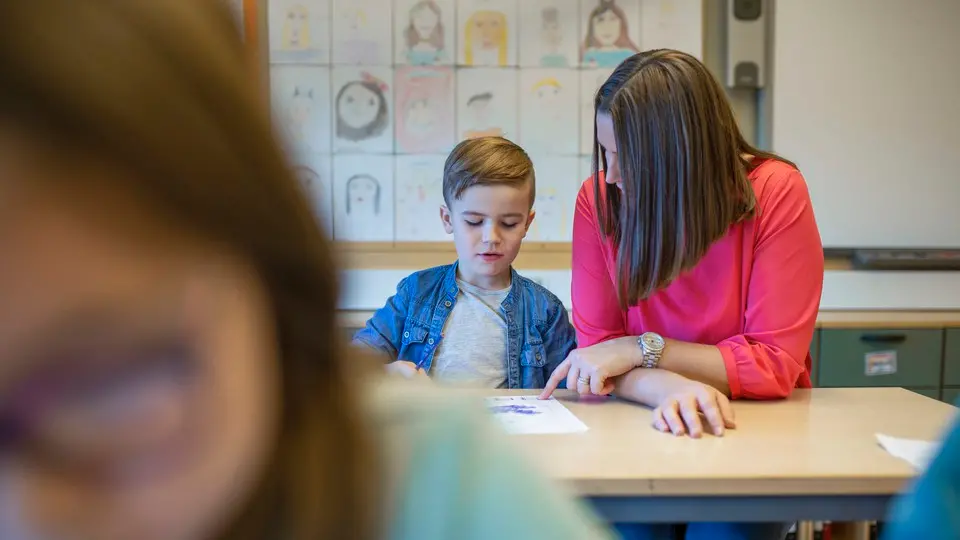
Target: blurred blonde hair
{"x": 163, "y": 88}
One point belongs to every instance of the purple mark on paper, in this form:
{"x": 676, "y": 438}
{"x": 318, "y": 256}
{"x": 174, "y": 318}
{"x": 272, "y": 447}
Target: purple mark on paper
{"x": 515, "y": 409}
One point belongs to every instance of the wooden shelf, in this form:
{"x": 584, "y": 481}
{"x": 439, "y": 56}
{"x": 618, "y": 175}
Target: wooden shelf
{"x": 420, "y": 255}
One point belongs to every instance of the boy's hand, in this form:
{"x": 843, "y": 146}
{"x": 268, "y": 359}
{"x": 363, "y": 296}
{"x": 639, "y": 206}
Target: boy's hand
{"x": 405, "y": 369}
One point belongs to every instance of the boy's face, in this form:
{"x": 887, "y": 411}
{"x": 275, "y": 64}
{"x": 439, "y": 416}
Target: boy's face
{"x": 488, "y": 224}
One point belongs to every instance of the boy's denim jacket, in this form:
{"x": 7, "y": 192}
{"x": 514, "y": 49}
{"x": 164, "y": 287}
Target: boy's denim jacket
{"x": 409, "y": 327}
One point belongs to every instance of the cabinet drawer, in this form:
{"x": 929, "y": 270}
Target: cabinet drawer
{"x": 880, "y": 357}
{"x": 951, "y": 358}
{"x": 814, "y": 355}
{"x": 951, "y": 395}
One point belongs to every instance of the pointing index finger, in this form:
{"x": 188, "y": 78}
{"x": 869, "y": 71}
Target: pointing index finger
{"x": 558, "y": 375}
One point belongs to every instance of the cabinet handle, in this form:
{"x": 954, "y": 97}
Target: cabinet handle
{"x": 883, "y": 338}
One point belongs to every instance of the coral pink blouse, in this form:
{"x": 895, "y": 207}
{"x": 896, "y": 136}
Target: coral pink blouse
{"x": 755, "y": 294}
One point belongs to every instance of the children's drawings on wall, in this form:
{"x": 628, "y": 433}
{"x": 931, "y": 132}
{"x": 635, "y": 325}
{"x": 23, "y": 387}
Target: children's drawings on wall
{"x": 363, "y": 198}
{"x": 301, "y": 97}
{"x": 486, "y": 103}
{"x": 313, "y": 172}
{"x": 549, "y": 120}
{"x": 556, "y": 195}
{"x": 362, "y": 110}
{"x": 424, "y": 32}
{"x": 361, "y": 32}
{"x": 487, "y": 32}
{"x": 590, "y": 82}
{"x": 549, "y": 33}
{"x": 419, "y": 194}
{"x": 672, "y": 24}
{"x": 299, "y": 31}
{"x": 610, "y": 31}
{"x": 425, "y": 110}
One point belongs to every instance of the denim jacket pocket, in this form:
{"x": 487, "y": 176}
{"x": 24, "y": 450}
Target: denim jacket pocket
{"x": 533, "y": 354}
{"x": 413, "y": 341}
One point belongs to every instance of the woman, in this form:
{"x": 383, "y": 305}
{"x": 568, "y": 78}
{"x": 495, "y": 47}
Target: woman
{"x": 697, "y": 264}
{"x": 169, "y": 367}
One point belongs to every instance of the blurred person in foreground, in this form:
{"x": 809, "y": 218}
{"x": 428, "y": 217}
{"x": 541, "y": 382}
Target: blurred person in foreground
{"x": 169, "y": 367}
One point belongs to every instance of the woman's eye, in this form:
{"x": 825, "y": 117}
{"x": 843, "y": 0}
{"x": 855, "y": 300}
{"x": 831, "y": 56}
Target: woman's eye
{"x": 510, "y": 225}
{"x": 473, "y": 223}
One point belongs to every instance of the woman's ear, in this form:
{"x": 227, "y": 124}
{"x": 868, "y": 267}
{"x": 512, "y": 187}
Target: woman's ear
{"x": 446, "y": 218}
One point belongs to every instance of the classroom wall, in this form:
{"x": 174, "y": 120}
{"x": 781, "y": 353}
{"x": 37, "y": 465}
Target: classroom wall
{"x": 407, "y": 172}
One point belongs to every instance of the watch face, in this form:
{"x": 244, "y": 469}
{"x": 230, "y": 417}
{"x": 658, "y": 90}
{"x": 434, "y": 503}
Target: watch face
{"x": 652, "y": 341}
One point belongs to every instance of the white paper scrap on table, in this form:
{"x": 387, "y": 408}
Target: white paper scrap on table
{"x": 915, "y": 452}
{"x": 531, "y": 415}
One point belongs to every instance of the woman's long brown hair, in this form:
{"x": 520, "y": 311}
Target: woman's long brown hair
{"x": 163, "y": 88}
{"x": 681, "y": 157}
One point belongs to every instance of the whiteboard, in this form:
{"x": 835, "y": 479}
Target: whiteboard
{"x": 866, "y": 101}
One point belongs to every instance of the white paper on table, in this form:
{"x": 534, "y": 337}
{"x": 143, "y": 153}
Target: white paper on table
{"x": 531, "y": 415}
{"x": 915, "y": 452}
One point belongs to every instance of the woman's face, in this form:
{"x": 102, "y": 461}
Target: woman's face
{"x": 606, "y": 28}
{"x": 608, "y": 140}
{"x": 138, "y": 372}
{"x": 358, "y": 106}
{"x": 362, "y": 191}
{"x": 424, "y": 21}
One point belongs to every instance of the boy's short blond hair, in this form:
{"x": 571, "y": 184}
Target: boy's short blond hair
{"x": 486, "y": 161}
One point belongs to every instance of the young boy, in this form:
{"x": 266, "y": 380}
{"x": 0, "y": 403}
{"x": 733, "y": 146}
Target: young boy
{"x": 477, "y": 322}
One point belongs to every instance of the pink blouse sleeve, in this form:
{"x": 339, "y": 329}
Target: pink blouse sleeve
{"x": 596, "y": 312}
{"x": 770, "y": 357}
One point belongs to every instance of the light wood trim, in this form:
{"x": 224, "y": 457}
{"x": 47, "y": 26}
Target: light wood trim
{"x": 833, "y": 429}
{"x": 826, "y": 319}
{"x": 419, "y": 255}
{"x": 888, "y": 319}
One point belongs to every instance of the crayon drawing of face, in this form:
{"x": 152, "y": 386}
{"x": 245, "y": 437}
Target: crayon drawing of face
{"x": 296, "y": 28}
{"x": 363, "y": 195}
{"x": 421, "y": 118}
{"x": 309, "y": 179}
{"x": 425, "y": 22}
{"x": 354, "y": 19}
{"x": 606, "y": 28}
{"x": 547, "y": 92}
{"x": 361, "y": 108}
{"x": 488, "y": 29}
{"x": 550, "y": 32}
{"x": 479, "y": 106}
{"x": 299, "y": 111}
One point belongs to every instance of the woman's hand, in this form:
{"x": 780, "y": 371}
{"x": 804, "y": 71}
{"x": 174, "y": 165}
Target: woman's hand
{"x": 405, "y": 369}
{"x": 682, "y": 402}
{"x": 591, "y": 370}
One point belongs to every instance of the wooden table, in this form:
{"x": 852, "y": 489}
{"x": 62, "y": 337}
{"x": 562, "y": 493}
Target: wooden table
{"x": 811, "y": 457}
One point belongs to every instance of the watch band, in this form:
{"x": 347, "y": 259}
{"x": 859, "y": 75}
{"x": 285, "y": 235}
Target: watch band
{"x": 651, "y": 347}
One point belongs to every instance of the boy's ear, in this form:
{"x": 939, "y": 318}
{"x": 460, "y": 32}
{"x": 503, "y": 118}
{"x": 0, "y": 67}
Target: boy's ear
{"x": 446, "y": 218}
{"x": 533, "y": 214}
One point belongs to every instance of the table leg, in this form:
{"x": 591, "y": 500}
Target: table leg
{"x": 859, "y": 530}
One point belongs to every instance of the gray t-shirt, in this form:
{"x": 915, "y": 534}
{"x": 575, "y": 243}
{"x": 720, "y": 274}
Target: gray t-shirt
{"x": 473, "y": 351}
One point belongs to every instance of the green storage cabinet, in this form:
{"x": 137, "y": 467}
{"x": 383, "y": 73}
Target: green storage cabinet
{"x": 814, "y": 355}
{"x": 951, "y": 358}
{"x": 881, "y": 357}
{"x": 951, "y": 395}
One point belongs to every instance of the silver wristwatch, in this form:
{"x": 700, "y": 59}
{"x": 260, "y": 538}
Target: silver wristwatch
{"x": 651, "y": 345}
